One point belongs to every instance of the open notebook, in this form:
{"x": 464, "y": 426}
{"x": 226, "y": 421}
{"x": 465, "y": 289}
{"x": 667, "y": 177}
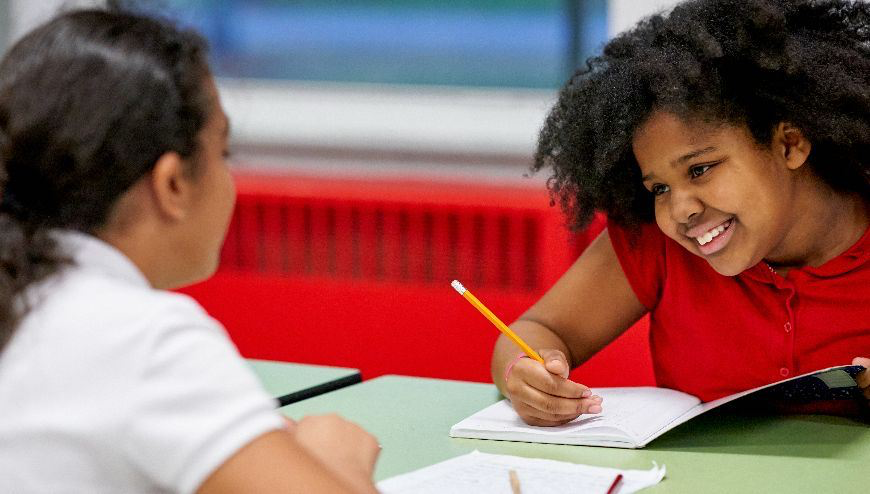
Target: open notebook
{"x": 633, "y": 417}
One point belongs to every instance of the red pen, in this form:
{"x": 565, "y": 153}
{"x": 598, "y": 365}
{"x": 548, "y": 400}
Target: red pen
{"x": 615, "y": 485}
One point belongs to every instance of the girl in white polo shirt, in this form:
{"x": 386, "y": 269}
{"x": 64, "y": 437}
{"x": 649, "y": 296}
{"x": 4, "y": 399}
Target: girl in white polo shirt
{"x": 115, "y": 187}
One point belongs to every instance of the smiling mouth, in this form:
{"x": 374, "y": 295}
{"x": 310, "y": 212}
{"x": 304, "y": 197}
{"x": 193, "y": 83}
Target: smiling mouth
{"x": 715, "y": 239}
{"x": 708, "y": 237}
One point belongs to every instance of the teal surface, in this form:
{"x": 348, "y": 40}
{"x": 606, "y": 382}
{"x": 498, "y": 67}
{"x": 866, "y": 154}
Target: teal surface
{"x": 283, "y": 378}
{"x": 721, "y": 451}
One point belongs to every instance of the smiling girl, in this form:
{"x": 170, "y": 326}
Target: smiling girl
{"x": 727, "y": 143}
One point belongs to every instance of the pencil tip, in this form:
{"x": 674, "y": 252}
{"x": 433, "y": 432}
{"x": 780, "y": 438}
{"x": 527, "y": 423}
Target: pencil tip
{"x": 458, "y": 286}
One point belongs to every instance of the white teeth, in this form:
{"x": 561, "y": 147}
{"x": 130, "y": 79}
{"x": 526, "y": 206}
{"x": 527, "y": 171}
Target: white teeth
{"x": 710, "y": 235}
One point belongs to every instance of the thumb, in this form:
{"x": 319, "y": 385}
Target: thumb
{"x": 863, "y": 361}
{"x": 555, "y": 362}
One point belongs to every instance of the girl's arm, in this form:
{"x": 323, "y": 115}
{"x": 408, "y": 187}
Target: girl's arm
{"x": 585, "y": 310}
{"x": 321, "y": 454}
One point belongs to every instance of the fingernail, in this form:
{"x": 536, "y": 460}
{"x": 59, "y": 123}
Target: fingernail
{"x": 598, "y": 398}
{"x": 594, "y": 409}
{"x": 586, "y": 394}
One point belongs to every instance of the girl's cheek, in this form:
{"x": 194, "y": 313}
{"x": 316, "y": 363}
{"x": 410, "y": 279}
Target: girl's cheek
{"x": 669, "y": 228}
{"x": 663, "y": 221}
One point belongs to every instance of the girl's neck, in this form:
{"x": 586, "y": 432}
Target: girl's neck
{"x": 826, "y": 224}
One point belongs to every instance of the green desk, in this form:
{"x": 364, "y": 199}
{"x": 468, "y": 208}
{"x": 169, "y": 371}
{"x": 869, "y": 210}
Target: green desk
{"x": 293, "y": 382}
{"x": 718, "y": 452}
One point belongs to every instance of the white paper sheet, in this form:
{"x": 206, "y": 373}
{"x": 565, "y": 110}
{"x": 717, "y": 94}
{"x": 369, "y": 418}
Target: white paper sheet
{"x": 483, "y": 473}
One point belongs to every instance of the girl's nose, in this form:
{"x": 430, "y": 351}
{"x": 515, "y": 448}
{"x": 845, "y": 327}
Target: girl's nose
{"x": 684, "y": 206}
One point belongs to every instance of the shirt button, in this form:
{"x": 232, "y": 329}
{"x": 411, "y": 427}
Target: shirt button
{"x": 787, "y": 327}
{"x": 783, "y": 372}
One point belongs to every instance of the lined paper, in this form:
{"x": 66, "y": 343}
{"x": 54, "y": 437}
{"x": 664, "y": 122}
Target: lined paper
{"x": 483, "y": 473}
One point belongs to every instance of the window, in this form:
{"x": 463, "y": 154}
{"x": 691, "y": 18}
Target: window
{"x": 484, "y": 43}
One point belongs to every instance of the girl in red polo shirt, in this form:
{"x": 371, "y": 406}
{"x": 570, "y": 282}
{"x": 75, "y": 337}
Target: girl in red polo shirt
{"x": 727, "y": 143}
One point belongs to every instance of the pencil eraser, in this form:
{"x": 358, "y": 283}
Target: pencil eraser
{"x": 458, "y": 286}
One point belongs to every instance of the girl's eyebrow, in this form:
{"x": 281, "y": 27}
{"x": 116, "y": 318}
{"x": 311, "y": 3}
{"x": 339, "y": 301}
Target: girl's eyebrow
{"x": 691, "y": 155}
{"x": 682, "y": 159}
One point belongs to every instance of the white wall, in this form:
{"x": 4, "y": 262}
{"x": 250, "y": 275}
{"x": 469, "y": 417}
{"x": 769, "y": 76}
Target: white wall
{"x": 4, "y": 25}
{"x": 24, "y": 15}
{"x": 373, "y": 117}
{"x": 622, "y": 14}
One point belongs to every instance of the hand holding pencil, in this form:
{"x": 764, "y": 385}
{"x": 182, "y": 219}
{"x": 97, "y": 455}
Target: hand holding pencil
{"x": 538, "y": 386}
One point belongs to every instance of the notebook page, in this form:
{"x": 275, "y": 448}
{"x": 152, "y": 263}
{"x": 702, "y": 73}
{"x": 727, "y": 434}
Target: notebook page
{"x": 637, "y": 412}
{"x": 482, "y": 473}
{"x": 642, "y": 411}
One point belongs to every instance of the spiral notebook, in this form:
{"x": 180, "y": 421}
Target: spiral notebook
{"x": 633, "y": 417}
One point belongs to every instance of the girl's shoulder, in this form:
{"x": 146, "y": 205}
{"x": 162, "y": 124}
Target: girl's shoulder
{"x": 146, "y": 378}
{"x": 645, "y": 255}
{"x": 644, "y": 237}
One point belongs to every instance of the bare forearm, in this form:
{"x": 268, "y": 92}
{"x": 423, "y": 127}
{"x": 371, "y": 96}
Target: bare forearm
{"x": 536, "y": 335}
{"x": 590, "y": 305}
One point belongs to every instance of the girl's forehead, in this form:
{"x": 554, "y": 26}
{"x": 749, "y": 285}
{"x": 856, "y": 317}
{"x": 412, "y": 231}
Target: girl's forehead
{"x": 663, "y": 123}
{"x": 666, "y": 139}
{"x": 664, "y": 134}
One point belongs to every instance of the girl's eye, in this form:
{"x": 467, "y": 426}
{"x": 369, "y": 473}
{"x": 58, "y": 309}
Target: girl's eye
{"x": 697, "y": 171}
{"x": 659, "y": 189}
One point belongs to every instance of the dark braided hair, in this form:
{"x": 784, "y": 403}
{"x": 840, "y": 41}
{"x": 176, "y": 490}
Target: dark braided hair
{"x": 745, "y": 62}
{"x": 88, "y": 103}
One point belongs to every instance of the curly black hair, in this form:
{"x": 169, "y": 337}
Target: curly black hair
{"x": 746, "y": 62}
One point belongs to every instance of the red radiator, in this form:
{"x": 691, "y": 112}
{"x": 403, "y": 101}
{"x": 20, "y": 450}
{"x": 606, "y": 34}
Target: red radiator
{"x": 357, "y": 273}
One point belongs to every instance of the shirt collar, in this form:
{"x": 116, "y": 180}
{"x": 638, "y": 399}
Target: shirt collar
{"x": 92, "y": 254}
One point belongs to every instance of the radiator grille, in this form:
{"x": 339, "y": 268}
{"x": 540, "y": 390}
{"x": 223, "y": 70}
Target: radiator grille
{"x": 388, "y": 242}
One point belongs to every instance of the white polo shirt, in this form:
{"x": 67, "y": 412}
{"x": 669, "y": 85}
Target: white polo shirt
{"x": 109, "y": 385}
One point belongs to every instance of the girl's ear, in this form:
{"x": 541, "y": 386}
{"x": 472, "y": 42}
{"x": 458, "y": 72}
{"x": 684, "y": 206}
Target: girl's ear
{"x": 790, "y": 143}
{"x": 171, "y": 187}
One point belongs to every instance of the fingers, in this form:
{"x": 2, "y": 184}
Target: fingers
{"x": 336, "y": 436}
{"x": 555, "y": 362}
{"x": 534, "y": 417}
{"x": 863, "y": 378}
{"x": 554, "y": 408}
{"x": 543, "y": 398}
{"x": 532, "y": 373}
{"x": 289, "y": 424}
{"x": 555, "y": 405}
{"x": 862, "y": 361}
{"x": 342, "y": 446}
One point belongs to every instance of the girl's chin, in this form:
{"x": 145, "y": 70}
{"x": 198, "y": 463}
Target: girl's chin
{"x": 727, "y": 268}
{"x": 727, "y": 271}
{"x": 725, "y": 265}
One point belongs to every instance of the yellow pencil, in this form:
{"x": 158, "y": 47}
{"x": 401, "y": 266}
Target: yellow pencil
{"x": 496, "y": 321}
{"x": 515, "y": 482}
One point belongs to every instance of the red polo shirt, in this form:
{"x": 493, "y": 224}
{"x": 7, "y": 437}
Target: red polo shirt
{"x": 714, "y": 335}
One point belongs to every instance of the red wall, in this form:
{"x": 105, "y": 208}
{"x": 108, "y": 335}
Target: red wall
{"x": 356, "y": 273}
